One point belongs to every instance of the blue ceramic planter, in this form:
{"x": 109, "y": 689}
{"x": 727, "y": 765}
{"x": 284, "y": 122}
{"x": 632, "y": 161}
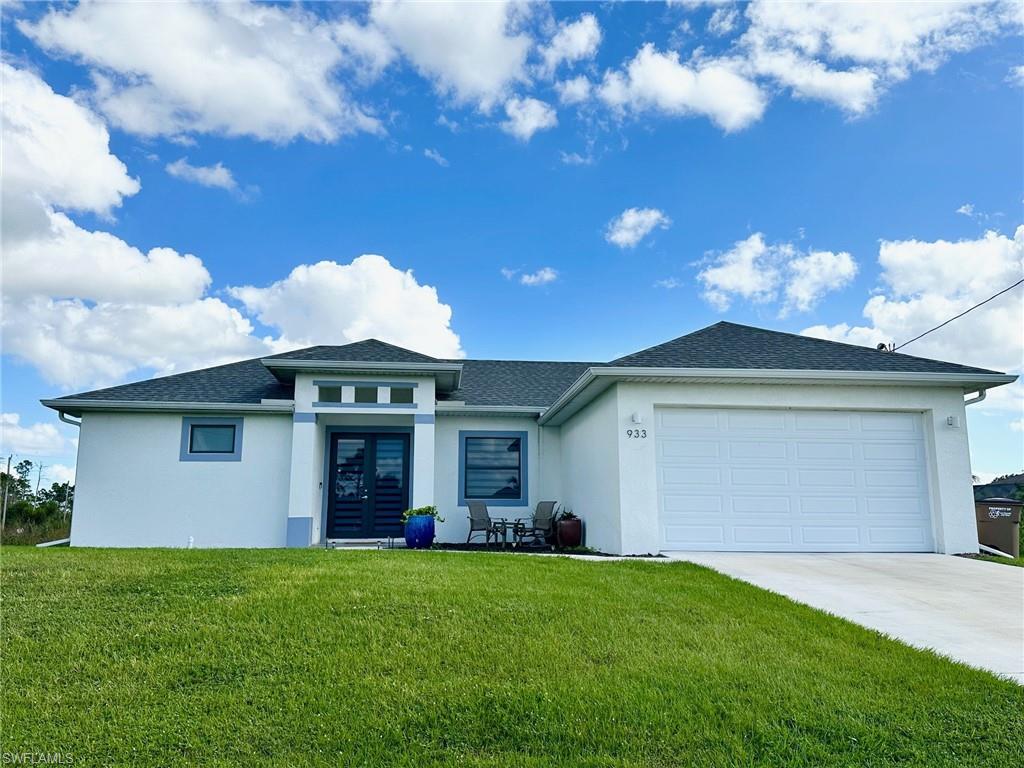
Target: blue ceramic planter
{"x": 419, "y": 531}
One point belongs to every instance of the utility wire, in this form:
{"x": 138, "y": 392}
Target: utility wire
{"x": 986, "y": 301}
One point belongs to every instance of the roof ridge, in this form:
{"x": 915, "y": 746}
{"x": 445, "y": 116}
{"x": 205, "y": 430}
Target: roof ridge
{"x": 668, "y": 341}
{"x": 513, "y": 360}
{"x": 841, "y": 343}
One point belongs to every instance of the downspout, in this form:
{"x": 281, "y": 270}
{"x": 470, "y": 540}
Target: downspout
{"x": 68, "y": 420}
{"x": 977, "y": 398}
{"x": 61, "y": 415}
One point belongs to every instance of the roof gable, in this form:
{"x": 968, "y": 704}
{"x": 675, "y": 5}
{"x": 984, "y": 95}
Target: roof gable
{"x": 366, "y": 351}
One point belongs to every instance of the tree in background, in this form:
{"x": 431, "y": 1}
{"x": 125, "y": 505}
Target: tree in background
{"x": 32, "y": 516}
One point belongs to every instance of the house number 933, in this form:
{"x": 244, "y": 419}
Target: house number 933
{"x": 636, "y": 434}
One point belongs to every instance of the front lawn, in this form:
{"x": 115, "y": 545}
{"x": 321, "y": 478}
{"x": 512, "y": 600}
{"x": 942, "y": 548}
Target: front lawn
{"x": 417, "y": 658}
{"x": 1017, "y": 561}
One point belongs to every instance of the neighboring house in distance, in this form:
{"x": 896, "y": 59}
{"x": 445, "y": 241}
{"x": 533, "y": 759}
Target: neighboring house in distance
{"x": 1006, "y": 487}
{"x": 729, "y": 438}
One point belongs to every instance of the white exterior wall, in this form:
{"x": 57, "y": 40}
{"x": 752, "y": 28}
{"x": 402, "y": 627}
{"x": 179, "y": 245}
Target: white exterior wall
{"x": 949, "y": 468}
{"x": 590, "y": 471}
{"x": 132, "y": 490}
{"x": 542, "y": 485}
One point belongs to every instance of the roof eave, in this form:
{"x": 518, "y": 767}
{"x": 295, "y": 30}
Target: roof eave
{"x": 450, "y": 409}
{"x": 607, "y": 375}
{"x": 447, "y": 375}
{"x": 78, "y": 406}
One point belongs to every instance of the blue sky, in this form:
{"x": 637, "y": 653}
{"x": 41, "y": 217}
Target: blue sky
{"x": 569, "y": 181}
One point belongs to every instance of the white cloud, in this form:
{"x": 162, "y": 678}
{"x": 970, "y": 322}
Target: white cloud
{"x": 74, "y": 345}
{"x": 437, "y": 157}
{"x": 63, "y": 260}
{"x": 542, "y": 276}
{"x": 574, "y": 91}
{"x": 56, "y": 151}
{"x": 1016, "y": 76}
{"x": 852, "y": 90}
{"x": 758, "y": 272}
{"x": 967, "y": 209}
{"x": 924, "y": 283}
{"x": 1017, "y": 425}
{"x": 527, "y": 116}
{"x": 723, "y": 21}
{"x": 85, "y": 308}
{"x": 332, "y": 303}
{"x": 655, "y": 81}
{"x": 634, "y": 224}
{"x": 474, "y": 52}
{"x": 56, "y": 154}
{"x": 34, "y": 440}
{"x": 848, "y": 53}
{"x": 369, "y": 48}
{"x": 813, "y": 275}
{"x": 575, "y": 158}
{"x": 574, "y": 41}
{"x": 446, "y": 122}
{"x": 749, "y": 270}
{"x": 669, "y": 283}
{"x": 59, "y": 473}
{"x": 204, "y": 175}
{"x": 237, "y": 69}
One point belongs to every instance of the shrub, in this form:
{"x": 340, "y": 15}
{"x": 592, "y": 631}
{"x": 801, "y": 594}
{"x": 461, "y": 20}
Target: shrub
{"x": 431, "y": 511}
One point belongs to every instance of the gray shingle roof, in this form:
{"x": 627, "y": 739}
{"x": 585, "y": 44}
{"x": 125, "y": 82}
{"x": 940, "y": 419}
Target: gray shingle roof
{"x": 515, "y": 382}
{"x": 534, "y": 383}
{"x": 370, "y": 351}
{"x": 730, "y": 345}
{"x": 248, "y": 381}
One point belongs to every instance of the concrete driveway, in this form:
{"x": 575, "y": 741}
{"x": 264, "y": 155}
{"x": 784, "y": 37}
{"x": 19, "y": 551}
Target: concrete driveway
{"x": 969, "y": 610}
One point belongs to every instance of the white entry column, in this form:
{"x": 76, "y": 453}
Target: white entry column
{"x": 302, "y": 490}
{"x": 423, "y": 460}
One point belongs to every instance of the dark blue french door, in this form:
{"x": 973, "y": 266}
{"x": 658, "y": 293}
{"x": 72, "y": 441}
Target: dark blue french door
{"x": 369, "y": 491}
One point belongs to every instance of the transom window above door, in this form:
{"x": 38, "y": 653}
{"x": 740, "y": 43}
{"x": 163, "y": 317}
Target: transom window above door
{"x": 493, "y": 468}
{"x": 365, "y": 394}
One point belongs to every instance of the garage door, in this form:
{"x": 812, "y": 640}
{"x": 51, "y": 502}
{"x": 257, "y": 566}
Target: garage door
{"x": 792, "y": 480}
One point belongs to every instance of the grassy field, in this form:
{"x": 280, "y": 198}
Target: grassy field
{"x": 1017, "y": 561}
{"x": 429, "y": 658}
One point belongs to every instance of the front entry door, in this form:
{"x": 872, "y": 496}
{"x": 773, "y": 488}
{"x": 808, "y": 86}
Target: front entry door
{"x": 369, "y": 489}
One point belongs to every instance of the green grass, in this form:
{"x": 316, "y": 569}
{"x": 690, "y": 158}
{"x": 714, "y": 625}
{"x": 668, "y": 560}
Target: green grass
{"x": 1017, "y": 561}
{"x": 431, "y": 658}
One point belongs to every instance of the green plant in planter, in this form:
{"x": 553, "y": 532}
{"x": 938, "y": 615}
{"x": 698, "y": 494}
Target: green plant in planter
{"x": 430, "y": 511}
{"x": 567, "y": 514}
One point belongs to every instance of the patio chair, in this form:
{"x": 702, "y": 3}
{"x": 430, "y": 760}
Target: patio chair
{"x": 539, "y": 529}
{"x": 481, "y": 522}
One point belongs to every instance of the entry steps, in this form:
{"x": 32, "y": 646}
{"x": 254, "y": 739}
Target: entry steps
{"x": 384, "y": 543}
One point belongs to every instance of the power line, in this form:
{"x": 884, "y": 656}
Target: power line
{"x": 955, "y": 317}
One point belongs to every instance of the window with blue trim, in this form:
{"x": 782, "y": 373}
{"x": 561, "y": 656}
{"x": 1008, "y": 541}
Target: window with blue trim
{"x": 211, "y": 438}
{"x": 492, "y": 467}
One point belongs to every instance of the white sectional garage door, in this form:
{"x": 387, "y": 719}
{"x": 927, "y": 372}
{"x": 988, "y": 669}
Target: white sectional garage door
{"x": 792, "y": 480}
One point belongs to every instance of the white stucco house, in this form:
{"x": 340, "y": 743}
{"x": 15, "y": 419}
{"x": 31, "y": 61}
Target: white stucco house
{"x": 729, "y": 438}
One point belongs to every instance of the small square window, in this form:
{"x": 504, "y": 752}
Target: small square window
{"x": 330, "y": 394}
{"x": 402, "y": 395}
{"x": 366, "y": 395}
